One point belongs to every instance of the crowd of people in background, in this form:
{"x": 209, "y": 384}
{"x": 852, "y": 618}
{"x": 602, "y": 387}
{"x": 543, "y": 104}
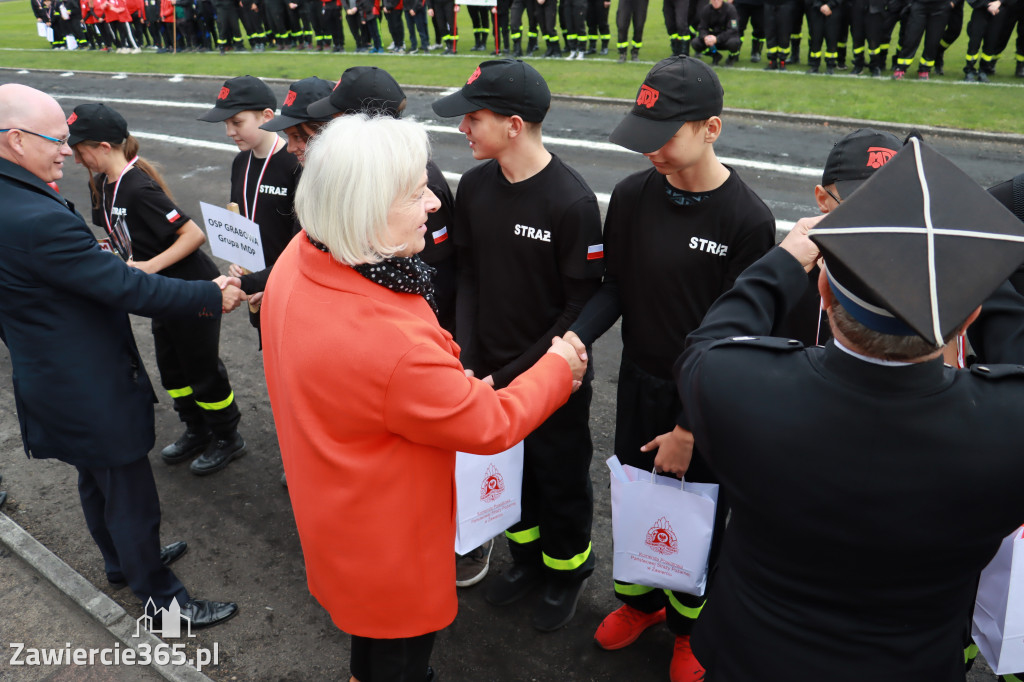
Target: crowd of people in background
{"x": 874, "y": 37}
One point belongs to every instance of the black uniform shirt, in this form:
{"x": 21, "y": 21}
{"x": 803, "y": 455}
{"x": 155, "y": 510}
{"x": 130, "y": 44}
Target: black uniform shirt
{"x": 522, "y": 241}
{"x": 273, "y": 196}
{"x": 153, "y": 221}
{"x": 671, "y": 262}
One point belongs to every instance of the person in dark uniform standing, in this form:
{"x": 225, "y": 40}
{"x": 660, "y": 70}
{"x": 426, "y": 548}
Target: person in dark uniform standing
{"x": 229, "y": 35}
{"x": 862, "y": 517}
{"x": 597, "y": 26}
{"x": 676, "y": 236}
{"x": 824, "y": 19}
{"x": 779, "y": 16}
{"x": 80, "y": 388}
{"x": 984, "y": 33}
{"x": 516, "y": 26}
{"x": 131, "y": 202}
{"x": 635, "y": 12}
{"x": 677, "y": 25}
{"x": 928, "y": 18}
{"x": 527, "y": 223}
{"x": 752, "y": 11}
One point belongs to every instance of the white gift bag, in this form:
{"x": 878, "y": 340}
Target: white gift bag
{"x": 661, "y": 529}
{"x": 999, "y": 611}
{"x": 488, "y": 492}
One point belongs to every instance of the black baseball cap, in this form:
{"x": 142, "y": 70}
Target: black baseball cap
{"x": 294, "y": 109}
{"x": 96, "y": 122}
{"x": 676, "y": 90}
{"x": 245, "y": 93}
{"x": 509, "y": 87}
{"x": 856, "y": 157}
{"x": 918, "y": 247}
{"x": 360, "y": 90}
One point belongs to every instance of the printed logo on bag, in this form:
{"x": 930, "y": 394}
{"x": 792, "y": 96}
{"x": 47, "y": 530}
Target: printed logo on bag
{"x": 661, "y": 538}
{"x": 224, "y": 92}
{"x": 72, "y": 118}
{"x": 289, "y": 99}
{"x": 474, "y": 76}
{"x": 647, "y": 96}
{"x": 493, "y": 485}
{"x": 879, "y": 156}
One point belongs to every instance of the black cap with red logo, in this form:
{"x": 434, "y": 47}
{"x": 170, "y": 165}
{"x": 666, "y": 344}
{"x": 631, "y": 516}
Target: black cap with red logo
{"x": 245, "y": 93}
{"x": 856, "y": 157}
{"x": 676, "y": 90}
{"x": 509, "y": 87}
{"x": 361, "y": 90}
{"x": 95, "y": 122}
{"x": 295, "y": 108}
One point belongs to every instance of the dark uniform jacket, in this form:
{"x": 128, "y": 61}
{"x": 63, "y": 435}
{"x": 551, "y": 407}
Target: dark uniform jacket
{"x": 865, "y": 498}
{"x": 722, "y": 23}
{"x": 81, "y": 391}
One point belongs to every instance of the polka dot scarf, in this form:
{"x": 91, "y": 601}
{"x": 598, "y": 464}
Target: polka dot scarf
{"x": 405, "y": 275}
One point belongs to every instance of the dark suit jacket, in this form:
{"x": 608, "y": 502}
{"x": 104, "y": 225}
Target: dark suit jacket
{"x": 81, "y": 390}
{"x": 865, "y": 498}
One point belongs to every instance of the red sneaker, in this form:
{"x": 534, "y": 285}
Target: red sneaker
{"x": 621, "y": 627}
{"x": 685, "y": 667}
{"x": 898, "y": 74}
{"x": 923, "y": 75}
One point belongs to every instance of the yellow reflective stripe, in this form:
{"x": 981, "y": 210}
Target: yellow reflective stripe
{"x": 524, "y": 536}
{"x": 970, "y": 652}
{"x": 179, "y": 392}
{"x": 686, "y": 611}
{"x": 218, "y": 405}
{"x": 632, "y": 590}
{"x": 1011, "y": 678}
{"x": 567, "y": 564}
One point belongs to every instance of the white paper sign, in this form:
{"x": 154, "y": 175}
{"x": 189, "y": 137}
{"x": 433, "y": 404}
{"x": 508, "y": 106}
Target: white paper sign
{"x": 233, "y": 237}
{"x": 41, "y": 29}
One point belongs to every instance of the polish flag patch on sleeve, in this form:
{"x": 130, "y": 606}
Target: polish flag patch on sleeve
{"x": 595, "y": 251}
{"x": 440, "y": 235}
{"x": 173, "y": 215}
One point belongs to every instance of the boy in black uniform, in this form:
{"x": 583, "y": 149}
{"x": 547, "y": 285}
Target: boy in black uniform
{"x": 528, "y": 224}
{"x": 718, "y": 31}
{"x": 824, "y": 19}
{"x": 634, "y": 11}
{"x": 677, "y": 236}
{"x": 263, "y": 175}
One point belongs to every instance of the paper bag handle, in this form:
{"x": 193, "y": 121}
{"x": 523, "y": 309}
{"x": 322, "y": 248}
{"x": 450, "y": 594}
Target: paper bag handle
{"x": 654, "y": 477}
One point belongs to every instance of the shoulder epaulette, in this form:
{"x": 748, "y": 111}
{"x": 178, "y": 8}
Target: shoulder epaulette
{"x": 997, "y": 371}
{"x": 766, "y": 342}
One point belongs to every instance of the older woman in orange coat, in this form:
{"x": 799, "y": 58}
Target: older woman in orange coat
{"x": 370, "y": 400}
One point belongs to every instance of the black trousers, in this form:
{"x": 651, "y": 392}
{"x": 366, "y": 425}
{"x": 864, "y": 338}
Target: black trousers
{"x": 396, "y": 28}
{"x": 275, "y": 17}
{"x": 778, "y": 22}
{"x": 252, "y": 21}
{"x": 882, "y": 18}
{"x": 857, "y": 14}
{"x": 928, "y": 19}
{"x": 822, "y": 29}
{"x": 597, "y": 22}
{"x": 574, "y": 23}
{"x": 754, "y": 14}
{"x": 677, "y": 19}
{"x": 333, "y": 25}
{"x": 634, "y": 11}
{"x": 481, "y": 19}
{"x": 558, "y": 498}
{"x": 515, "y": 21}
{"x": 391, "y": 660}
{"x": 122, "y": 512}
{"x": 192, "y": 373}
{"x": 547, "y": 18}
{"x": 983, "y": 36}
{"x": 228, "y": 30}
{"x": 445, "y": 9}
{"x": 647, "y": 406}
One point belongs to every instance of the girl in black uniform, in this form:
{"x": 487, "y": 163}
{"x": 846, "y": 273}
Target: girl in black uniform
{"x": 132, "y": 203}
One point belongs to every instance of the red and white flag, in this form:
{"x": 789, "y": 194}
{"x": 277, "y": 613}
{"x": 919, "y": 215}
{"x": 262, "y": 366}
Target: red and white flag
{"x": 595, "y": 251}
{"x": 173, "y": 215}
{"x": 440, "y": 235}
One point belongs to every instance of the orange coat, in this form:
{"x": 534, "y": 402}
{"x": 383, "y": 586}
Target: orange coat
{"x": 371, "y": 403}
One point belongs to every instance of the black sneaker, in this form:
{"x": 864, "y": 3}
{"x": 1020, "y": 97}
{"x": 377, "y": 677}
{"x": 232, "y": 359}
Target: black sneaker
{"x": 472, "y": 568}
{"x": 218, "y": 455}
{"x": 515, "y": 583}
{"x": 188, "y": 445}
{"x": 558, "y": 605}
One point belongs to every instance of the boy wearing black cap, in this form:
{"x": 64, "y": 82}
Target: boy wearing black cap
{"x": 264, "y": 174}
{"x": 528, "y": 224}
{"x": 676, "y": 237}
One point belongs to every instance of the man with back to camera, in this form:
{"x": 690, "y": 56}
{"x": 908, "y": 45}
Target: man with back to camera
{"x": 870, "y": 483}
{"x": 81, "y": 391}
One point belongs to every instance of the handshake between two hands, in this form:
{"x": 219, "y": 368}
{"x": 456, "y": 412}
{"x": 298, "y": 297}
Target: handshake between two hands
{"x": 570, "y": 347}
{"x": 231, "y": 294}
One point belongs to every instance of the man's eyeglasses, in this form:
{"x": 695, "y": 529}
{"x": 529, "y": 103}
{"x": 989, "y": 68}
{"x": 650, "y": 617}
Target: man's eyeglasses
{"x": 60, "y": 142}
{"x": 827, "y": 191}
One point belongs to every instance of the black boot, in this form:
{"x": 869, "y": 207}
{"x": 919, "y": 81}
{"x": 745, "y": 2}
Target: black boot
{"x": 940, "y": 61}
{"x": 716, "y": 58}
{"x": 970, "y": 72}
{"x": 1019, "y": 73}
{"x": 517, "y": 48}
{"x": 592, "y": 47}
{"x": 876, "y": 65}
{"x": 841, "y": 58}
{"x": 622, "y": 55}
{"x": 448, "y": 49}
{"x": 772, "y": 65}
{"x": 684, "y": 48}
{"x": 634, "y": 56}
{"x": 477, "y": 47}
{"x": 531, "y": 45}
{"x": 813, "y": 65}
{"x": 988, "y": 68}
{"x": 675, "y": 47}
{"x": 755, "y": 51}
{"x": 604, "y": 47}
{"x": 858, "y": 64}
{"x": 830, "y": 67}
{"x": 195, "y": 439}
{"x": 794, "y": 51}
{"x": 218, "y": 455}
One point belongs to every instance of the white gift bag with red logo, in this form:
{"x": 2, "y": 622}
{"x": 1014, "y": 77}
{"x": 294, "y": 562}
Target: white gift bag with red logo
{"x": 488, "y": 492}
{"x": 999, "y": 610}
{"x": 661, "y": 529}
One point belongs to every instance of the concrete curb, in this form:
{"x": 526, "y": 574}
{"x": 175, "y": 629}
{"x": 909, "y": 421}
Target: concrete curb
{"x": 766, "y": 116}
{"x": 98, "y": 605}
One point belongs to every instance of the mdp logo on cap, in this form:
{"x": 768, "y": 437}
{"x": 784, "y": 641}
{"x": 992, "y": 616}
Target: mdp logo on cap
{"x": 224, "y": 92}
{"x": 493, "y": 484}
{"x": 661, "y": 538}
{"x": 289, "y": 99}
{"x": 647, "y": 96}
{"x": 879, "y": 156}
{"x": 473, "y": 76}
{"x": 72, "y": 118}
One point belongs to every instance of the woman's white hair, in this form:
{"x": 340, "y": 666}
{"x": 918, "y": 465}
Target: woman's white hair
{"x": 356, "y": 167}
